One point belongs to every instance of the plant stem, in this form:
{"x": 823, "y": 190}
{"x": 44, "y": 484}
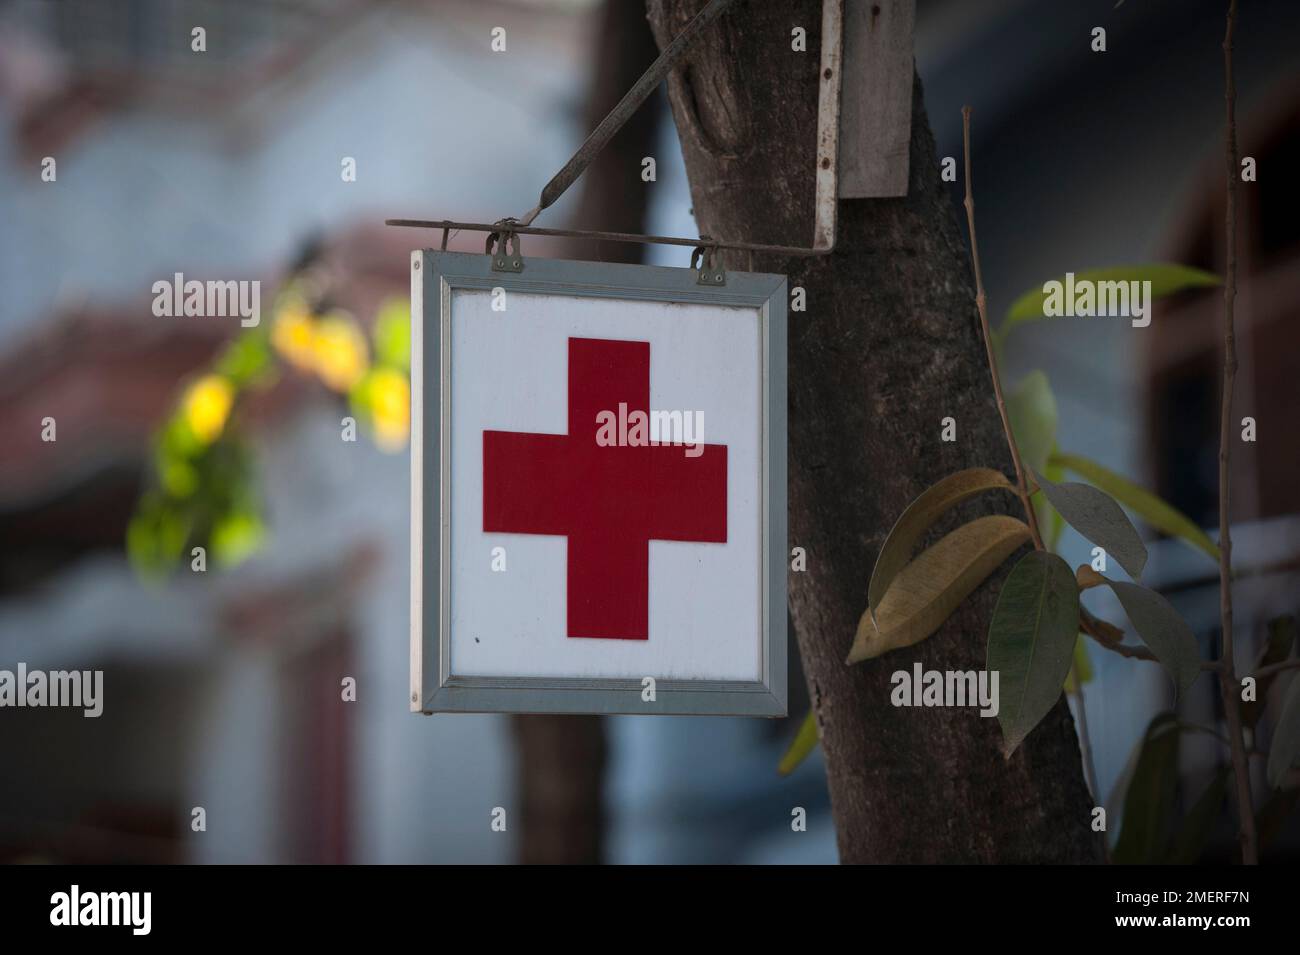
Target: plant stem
{"x": 1276, "y": 668}
{"x": 982, "y": 305}
{"x": 1227, "y": 674}
{"x": 1108, "y": 636}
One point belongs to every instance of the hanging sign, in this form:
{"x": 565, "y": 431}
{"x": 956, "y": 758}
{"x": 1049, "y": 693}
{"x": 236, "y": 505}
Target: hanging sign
{"x": 598, "y": 488}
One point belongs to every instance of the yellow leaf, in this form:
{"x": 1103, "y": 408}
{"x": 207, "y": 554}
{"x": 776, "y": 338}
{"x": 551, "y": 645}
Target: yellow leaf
{"x": 207, "y": 405}
{"x": 1086, "y": 577}
{"x": 928, "y": 590}
{"x": 339, "y": 351}
{"x": 805, "y": 742}
{"x": 1106, "y": 632}
{"x": 916, "y": 520}
{"x": 293, "y": 334}
{"x": 390, "y": 407}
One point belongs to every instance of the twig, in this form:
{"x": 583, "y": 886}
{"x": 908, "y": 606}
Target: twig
{"x": 1133, "y": 653}
{"x": 1105, "y": 635}
{"x": 1108, "y": 636}
{"x": 1227, "y": 674}
{"x": 1276, "y": 668}
{"x": 982, "y": 305}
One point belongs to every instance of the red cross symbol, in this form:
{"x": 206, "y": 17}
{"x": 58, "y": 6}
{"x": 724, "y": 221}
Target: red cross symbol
{"x": 610, "y": 502}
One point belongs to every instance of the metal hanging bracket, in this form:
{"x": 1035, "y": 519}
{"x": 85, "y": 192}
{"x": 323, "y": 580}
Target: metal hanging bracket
{"x": 506, "y": 256}
{"x": 708, "y": 269}
{"x": 825, "y": 226}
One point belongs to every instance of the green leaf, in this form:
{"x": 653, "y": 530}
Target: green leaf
{"x": 928, "y": 590}
{"x": 1163, "y": 517}
{"x": 1097, "y": 517}
{"x": 1031, "y": 408}
{"x": 1190, "y": 841}
{"x": 246, "y": 359}
{"x": 392, "y": 333}
{"x": 177, "y": 440}
{"x": 805, "y": 741}
{"x": 1119, "y": 788}
{"x": 1285, "y": 749}
{"x": 919, "y": 516}
{"x": 1165, "y": 280}
{"x": 1031, "y": 641}
{"x": 1163, "y": 630}
{"x": 1082, "y": 662}
{"x": 1281, "y": 637}
{"x": 1080, "y": 666}
{"x": 1049, "y": 516}
{"x": 156, "y": 535}
{"x": 142, "y": 539}
{"x": 178, "y": 477}
{"x": 1149, "y": 800}
{"x": 236, "y": 536}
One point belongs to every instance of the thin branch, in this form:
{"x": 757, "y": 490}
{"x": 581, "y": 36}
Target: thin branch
{"x": 982, "y": 305}
{"x": 1132, "y": 653}
{"x": 1261, "y": 656}
{"x": 1100, "y": 631}
{"x": 1276, "y": 668}
{"x": 1108, "y": 636}
{"x": 1227, "y": 675}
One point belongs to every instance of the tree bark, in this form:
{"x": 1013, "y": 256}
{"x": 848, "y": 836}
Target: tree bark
{"x": 561, "y": 768}
{"x": 888, "y": 347}
{"x": 614, "y": 199}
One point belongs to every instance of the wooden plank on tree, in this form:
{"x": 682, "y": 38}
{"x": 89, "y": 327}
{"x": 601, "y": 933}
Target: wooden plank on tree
{"x": 876, "y": 101}
{"x": 828, "y": 124}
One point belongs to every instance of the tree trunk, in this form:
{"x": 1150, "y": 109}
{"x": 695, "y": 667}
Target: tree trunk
{"x": 888, "y": 347}
{"x": 561, "y": 759}
{"x": 561, "y": 768}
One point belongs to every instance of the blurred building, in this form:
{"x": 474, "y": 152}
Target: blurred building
{"x": 222, "y": 689}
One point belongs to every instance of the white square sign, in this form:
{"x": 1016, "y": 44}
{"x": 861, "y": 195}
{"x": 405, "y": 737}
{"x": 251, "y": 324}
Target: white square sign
{"x": 597, "y": 489}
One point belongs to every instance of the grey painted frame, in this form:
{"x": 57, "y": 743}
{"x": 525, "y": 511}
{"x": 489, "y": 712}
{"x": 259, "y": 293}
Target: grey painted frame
{"x": 433, "y": 687}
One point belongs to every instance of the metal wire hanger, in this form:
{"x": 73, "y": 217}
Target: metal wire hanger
{"x": 828, "y": 109}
